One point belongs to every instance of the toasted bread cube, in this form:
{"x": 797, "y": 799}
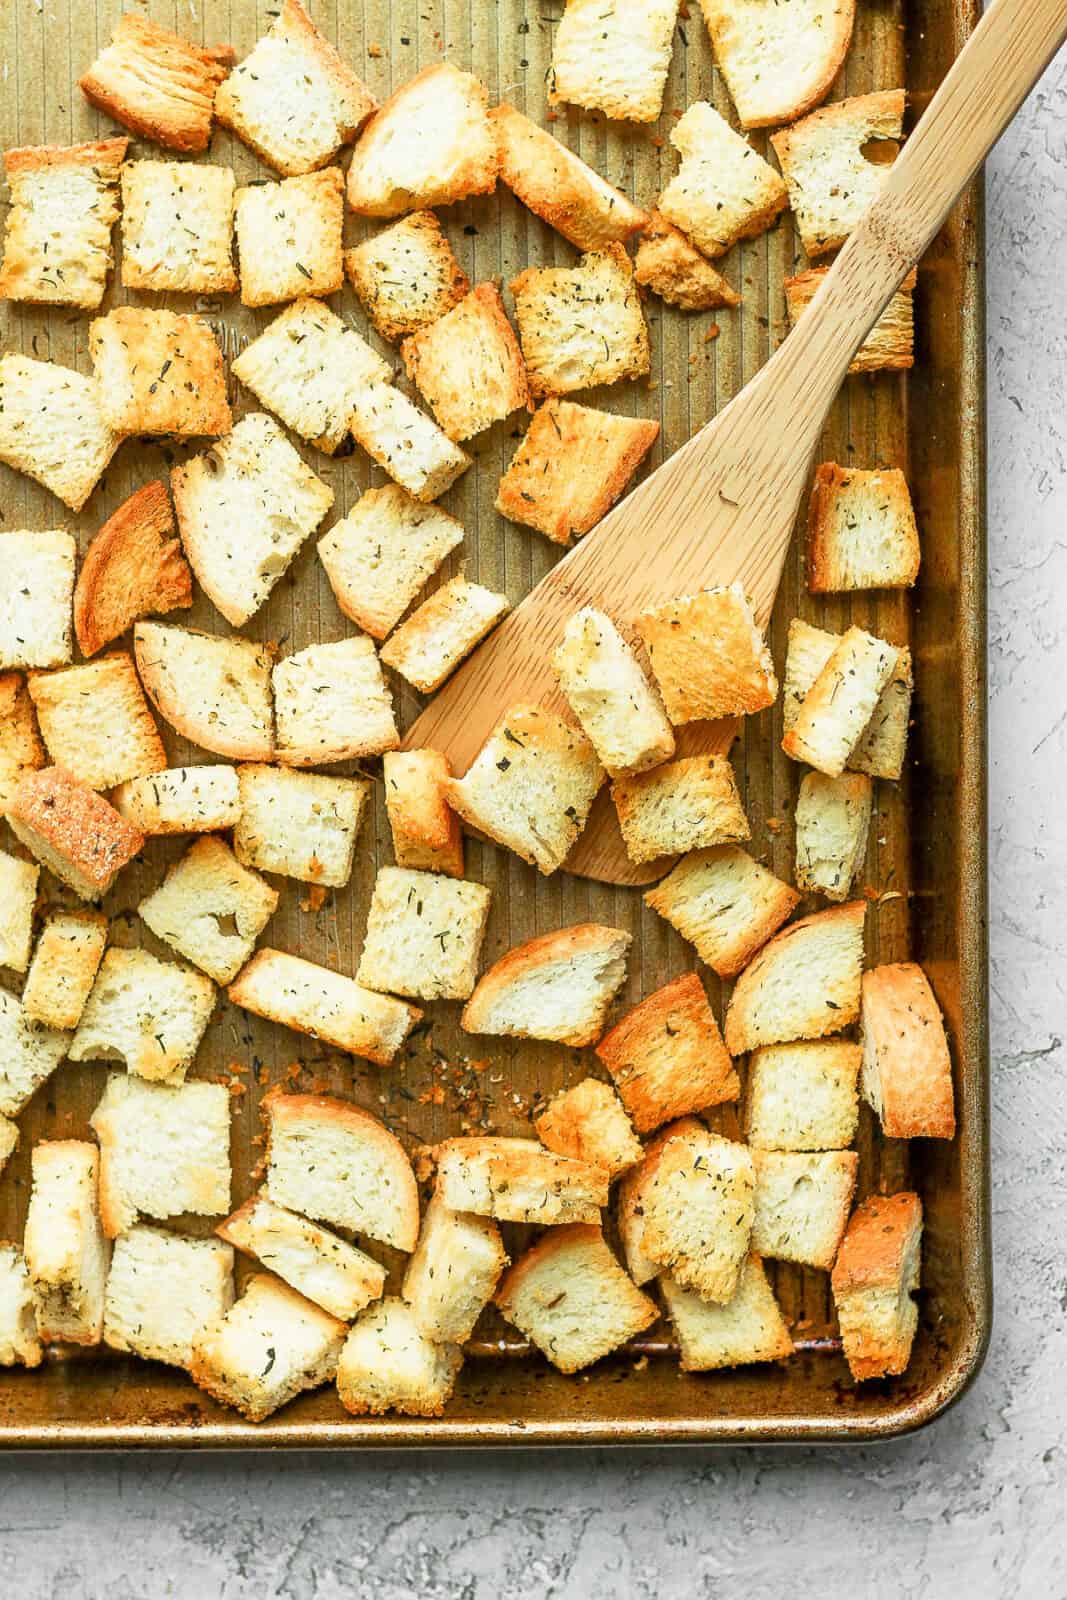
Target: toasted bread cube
{"x": 271, "y": 1345}
{"x": 163, "y": 1290}
{"x": 164, "y": 1150}
{"x": 708, "y": 655}
{"x": 726, "y": 904}
{"x": 133, "y": 568}
{"x": 907, "y": 1069}
{"x": 861, "y": 531}
{"x": 723, "y": 190}
{"x": 18, "y": 896}
{"x": 331, "y": 703}
{"x": 832, "y": 181}
{"x": 430, "y": 145}
{"x": 403, "y": 440}
{"x": 424, "y": 934}
{"x": 875, "y": 1275}
{"x": 338, "y": 1164}
{"x": 778, "y": 61}
{"x": 518, "y": 1180}
{"x": 667, "y": 1056}
{"x": 832, "y": 819}
{"x": 72, "y": 831}
{"x": 804, "y": 984}
{"x": 35, "y": 600}
{"x": 9, "y": 1139}
{"x": 558, "y": 186}
{"x": 406, "y": 276}
{"x": 676, "y": 270}
{"x": 301, "y": 824}
{"x": 451, "y": 1277}
{"x": 803, "y": 1199}
{"x": 205, "y": 889}
{"x": 630, "y": 1210}
{"x": 96, "y": 723}
{"x": 293, "y": 99}
{"x": 698, "y": 1205}
{"x": 244, "y": 510}
{"x": 29, "y": 1054}
{"x": 468, "y": 366}
{"x": 21, "y": 749}
{"x": 589, "y": 1123}
{"x": 147, "y": 1013}
{"x": 159, "y": 372}
{"x": 558, "y": 986}
{"x": 53, "y": 428}
{"x": 803, "y": 1096}
{"x": 378, "y": 557}
{"x": 216, "y": 692}
{"x": 531, "y": 786}
{"x": 880, "y": 751}
{"x": 289, "y": 237}
{"x": 890, "y": 345}
{"x": 181, "y": 800}
{"x": 67, "y": 1252}
{"x": 318, "y": 1264}
{"x": 64, "y": 967}
{"x": 613, "y": 56}
{"x": 748, "y": 1328}
{"x": 177, "y": 227}
{"x": 426, "y": 834}
{"x": 689, "y": 804}
{"x": 158, "y": 84}
{"x": 429, "y": 646}
{"x": 387, "y": 1364}
{"x": 608, "y": 692}
{"x": 57, "y": 237}
{"x": 19, "y": 1342}
{"x": 841, "y": 702}
{"x": 582, "y": 325}
{"x": 323, "y": 1004}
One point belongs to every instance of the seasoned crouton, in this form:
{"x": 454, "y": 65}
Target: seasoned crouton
{"x": 580, "y": 326}
{"x": 406, "y": 276}
{"x": 29, "y": 1053}
{"x": 18, "y": 896}
{"x": 880, "y": 751}
{"x": 96, "y": 723}
{"x": 802, "y": 1204}
{"x": 841, "y": 702}
{"x": 301, "y": 824}
{"x": 804, "y": 984}
{"x": 21, "y": 749}
{"x": 451, "y": 1277}
{"x": 589, "y": 1123}
{"x": 557, "y": 986}
{"x": 697, "y": 1208}
{"x": 35, "y": 600}
{"x": 403, "y": 440}
{"x": 64, "y": 967}
{"x": 133, "y": 568}
{"x": 289, "y": 237}
{"x": 690, "y": 804}
{"x": 72, "y": 831}
{"x": 907, "y": 1069}
{"x": 861, "y": 531}
{"x": 177, "y": 227}
{"x": 387, "y": 1364}
{"x": 19, "y": 1343}
{"x": 723, "y": 190}
{"x": 468, "y": 365}
{"x": 67, "y": 1253}
{"x": 163, "y": 1151}
{"x": 429, "y": 646}
{"x": 270, "y": 1346}
{"x": 426, "y": 834}
{"x": 53, "y": 427}
{"x": 803, "y": 1096}
{"x": 613, "y": 56}
{"x": 667, "y": 1056}
{"x": 874, "y": 1278}
{"x": 217, "y": 692}
{"x": 293, "y": 99}
{"x": 676, "y": 270}
{"x": 163, "y": 1290}
{"x": 318, "y": 1264}
{"x": 832, "y": 819}
{"x": 630, "y": 1210}
{"x": 558, "y": 186}
{"x": 57, "y": 236}
{"x": 778, "y": 61}
{"x": 890, "y": 344}
{"x": 378, "y": 557}
{"x": 9, "y": 1138}
{"x": 608, "y": 692}
{"x": 748, "y": 1328}
{"x": 708, "y": 655}
{"x": 518, "y": 1180}
{"x": 726, "y": 904}
{"x": 149, "y": 1014}
{"x": 181, "y": 800}
{"x": 832, "y": 180}
{"x": 324, "y": 1004}
{"x": 159, "y": 372}
{"x": 158, "y": 84}
{"x": 430, "y": 145}
{"x": 203, "y": 891}
{"x": 424, "y": 934}
{"x": 331, "y": 703}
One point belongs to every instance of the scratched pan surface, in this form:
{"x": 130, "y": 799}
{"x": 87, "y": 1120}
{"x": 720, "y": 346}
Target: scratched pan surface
{"x": 925, "y": 867}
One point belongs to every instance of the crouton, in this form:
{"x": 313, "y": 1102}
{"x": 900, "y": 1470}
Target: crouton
{"x": 64, "y": 967}
{"x": 726, "y": 904}
{"x": 697, "y": 1207}
{"x": 518, "y": 1180}
{"x": 289, "y": 237}
{"x": 861, "y": 531}
{"x": 804, "y": 984}
{"x": 18, "y": 896}
{"x": 163, "y": 1290}
{"x": 613, "y": 56}
{"x": 19, "y": 1342}
{"x": 177, "y": 227}
{"x": 405, "y": 443}
{"x": 133, "y": 568}
{"x": 96, "y": 723}
{"x": 890, "y": 344}
{"x": 580, "y": 326}
{"x": 67, "y": 1253}
{"x": 21, "y": 749}
{"x": 723, "y": 190}
{"x": 157, "y": 84}
{"x": 300, "y": 824}
{"x": 293, "y": 99}
{"x": 9, "y": 1138}
{"x": 164, "y": 1150}
{"x": 667, "y": 1056}
{"x": 557, "y": 986}
{"x": 406, "y": 276}
{"x": 53, "y": 428}
{"x": 832, "y": 180}
{"x": 387, "y": 1364}
{"x": 429, "y": 646}
{"x": 748, "y": 1328}
{"x": 214, "y": 691}
{"x": 832, "y": 819}
{"x": 689, "y": 804}
{"x": 874, "y": 1278}
{"x": 201, "y": 894}
{"x": 803, "y": 1096}
{"x": 907, "y": 1069}
{"x": 72, "y": 831}
{"x": 708, "y": 655}
{"x": 880, "y": 751}
{"x": 571, "y": 467}
{"x": 331, "y": 703}
{"x": 329, "y": 1160}
{"x": 558, "y": 186}
{"x": 589, "y": 1123}
{"x": 531, "y": 786}
{"x": 430, "y": 145}
{"x": 181, "y": 800}
{"x": 676, "y": 270}
{"x": 318, "y": 1264}
{"x": 57, "y": 236}
{"x": 426, "y": 834}
{"x": 324, "y": 1004}
{"x": 378, "y": 557}
{"x": 159, "y": 372}
{"x": 468, "y": 366}
{"x": 802, "y": 1204}
{"x": 630, "y": 1209}
{"x": 424, "y": 934}
{"x": 451, "y": 1277}
{"x": 841, "y": 702}
{"x": 29, "y": 1053}
{"x": 778, "y": 61}
{"x": 608, "y": 692}
{"x": 35, "y": 601}
{"x": 271, "y": 1345}
{"x": 147, "y": 1013}
{"x": 307, "y": 366}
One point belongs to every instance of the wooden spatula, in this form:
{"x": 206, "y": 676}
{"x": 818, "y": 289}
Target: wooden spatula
{"x": 723, "y": 507}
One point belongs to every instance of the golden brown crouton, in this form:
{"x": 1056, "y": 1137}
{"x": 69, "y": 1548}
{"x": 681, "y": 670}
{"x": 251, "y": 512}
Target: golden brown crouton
{"x": 158, "y": 84}
{"x": 632, "y": 1191}
{"x": 216, "y": 691}
{"x": 388, "y": 1364}
{"x": 672, "y": 267}
{"x": 876, "y": 1273}
{"x": 750, "y": 1327}
{"x": 468, "y": 365}
{"x": 21, "y": 749}
{"x": 606, "y": 688}
{"x": 907, "y": 1069}
{"x": 802, "y": 1204}
{"x": 613, "y": 56}
{"x": 824, "y": 158}
{"x": 289, "y": 237}
{"x": 95, "y": 721}
{"x": 689, "y": 804}
{"x": 325, "y": 1005}
{"x": 778, "y": 61}
{"x": 804, "y": 984}
{"x": 159, "y": 372}
{"x": 723, "y": 190}
{"x": 177, "y": 227}
{"x": 426, "y": 833}
{"x": 861, "y": 531}
{"x": 406, "y": 276}
{"x": 697, "y": 1210}
{"x": 64, "y": 967}
{"x": 378, "y": 557}
{"x": 430, "y": 644}
{"x": 708, "y": 655}
{"x": 57, "y": 236}
{"x": 557, "y": 986}
{"x": 726, "y": 904}
{"x": 841, "y": 702}
{"x": 518, "y": 1180}
{"x": 558, "y": 186}
{"x": 582, "y": 325}
{"x": 802, "y": 1096}
{"x": 53, "y": 427}
{"x": 133, "y": 568}
{"x": 589, "y": 1123}
{"x": 667, "y": 1056}
{"x": 72, "y": 831}
{"x": 430, "y": 145}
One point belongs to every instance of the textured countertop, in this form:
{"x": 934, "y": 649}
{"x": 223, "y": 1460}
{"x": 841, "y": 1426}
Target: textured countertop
{"x": 974, "y": 1505}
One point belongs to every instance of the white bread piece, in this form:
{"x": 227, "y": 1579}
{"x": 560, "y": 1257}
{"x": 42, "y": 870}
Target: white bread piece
{"x": 331, "y": 703}
{"x": 688, "y": 804}
{"x": 468, "y": 366}
{"x": 861, "y": 531}
{"x": 159, "y": 372}
{"x": 841, "y": 702}
{"x": 405, "y": 442}
{"x": 300, "y": 824}
{"x": 18, "y": 896}
{"x": 832, "y": 182}
{"x": 426, "y": 833}
{"x": 430, "y": 145}
{"x": 907, "y": 1069}
{"x": 875, "y": 1275}
{"x": 613, "y": 56}
{"x": 557, "y": 185}
{"x": 726, "y": 904}
{"x": 29, "y": 1053}
{"x": 66, "y": 1251}
{"x": 157, "y": 83}
{"x": 147, "y": 1013}
{"x": 95, "y": 721}
{"x": 270, "y": 1346}
{"x": 804, "y": 984}
{"x": 518, "y": 1180}
{"x": 57, "y": 236}
{"x": 429, "y": 646}
{"x": 808, "y": 649}
{"x": 667, "y": 1056}
{"x": 803, "y": 1096}
{"x": 307, "y": 366}
{"x": 35, "y": 601}
{"x": 778, "y": 61}
{"x": 453, "y": 1273}
{"x": 890, "y": 345}
{"x": 723, "y": 190}
{"x": 19, "y": 1343}
{"x": 708, "y": 655}
{"x": 387, "y": 1364}
{"x": 531, "y": 786}
{"x": 748, "y": 1328}
{"x": 9, "y": 1139}
{"x": 582, "y": 325}
{"x": 21, "y": 749}
{"x": 698, "y": 1204}
{"x": 289, "y": 237}
{"x": 207, "y": 888}
{"x": 832, "y": 819}
{"x": 244, "y": 510}
{"x": 332, "y": 1161}
{"x": 881, "y": 748}
{"x": 181, "y": 800}
{"x": 803, "y": 1199}
{"x": 607, "y": 690}
{"x": 424, "y": 934}
{"x": 177, "y": 227}
{"x": 164, "y": 1150}
{"x": 318, "y": 1264}
{"x": 133, "y": 567}
{"x": 378, "y": 557}
{"x": 72, "y": 831}
{"x": 163, "y": 1290}
{"x": 406, "y": 276}
{"x": 324, "y": 1004}
{"x": 64, "y": 967}
{"x": 53, "y": 428}
{"x": 558, "y": 986}
{"x": 590, "y": 1123}
{"x": 293, "y": 99}
{"x": 214, "y": 691}
{"x": 672, "y": 267}
{"x": 632, "y": 1190}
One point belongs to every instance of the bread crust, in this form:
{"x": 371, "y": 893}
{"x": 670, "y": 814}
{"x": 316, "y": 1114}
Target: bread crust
{"x": 75, "y": 823}
{"x": 890, "y": 345}
{"x": 127, "y": 81}
{"x": 134, "y": 567}
{"x": 906, "y": 1054}
{"x": 558, "y": 186}
{"x": 672, "y": 267}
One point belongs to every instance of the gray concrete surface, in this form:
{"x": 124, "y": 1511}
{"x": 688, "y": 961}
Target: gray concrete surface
{"x": 974, "y": 1506}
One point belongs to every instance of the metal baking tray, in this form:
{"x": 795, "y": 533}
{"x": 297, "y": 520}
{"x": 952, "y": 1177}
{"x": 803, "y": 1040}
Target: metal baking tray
{"x": 926, "y": 868}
